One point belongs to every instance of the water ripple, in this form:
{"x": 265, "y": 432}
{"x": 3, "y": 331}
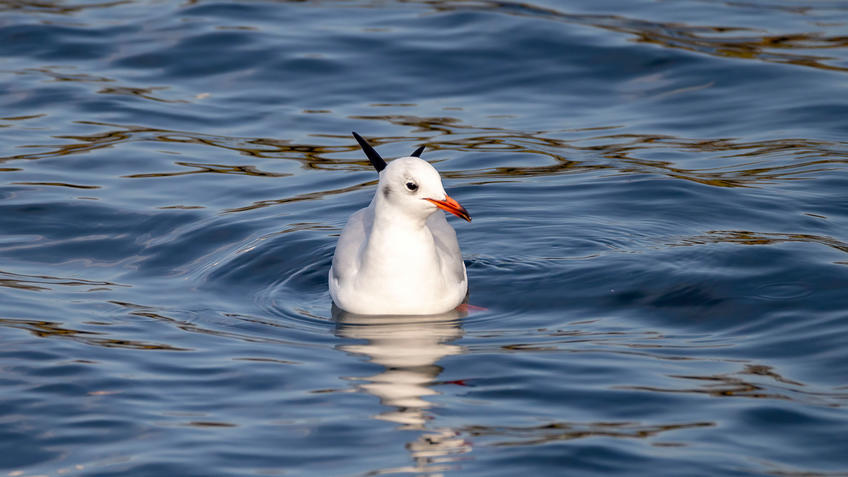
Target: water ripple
{"x": 748, "y": 42}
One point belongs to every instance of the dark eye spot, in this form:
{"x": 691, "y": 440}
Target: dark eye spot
{"x": 412, "y": 186}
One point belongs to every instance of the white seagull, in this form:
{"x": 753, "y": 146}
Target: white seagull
{"x": 399, "y": 256}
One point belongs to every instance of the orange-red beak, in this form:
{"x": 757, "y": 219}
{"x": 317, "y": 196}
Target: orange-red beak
{"x": 451, "y": 206}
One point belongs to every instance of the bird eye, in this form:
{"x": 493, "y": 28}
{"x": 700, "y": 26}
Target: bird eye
{"x": 412, "y": 186}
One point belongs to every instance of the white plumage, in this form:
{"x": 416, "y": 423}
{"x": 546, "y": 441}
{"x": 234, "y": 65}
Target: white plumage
{"x": 399, "y": 256}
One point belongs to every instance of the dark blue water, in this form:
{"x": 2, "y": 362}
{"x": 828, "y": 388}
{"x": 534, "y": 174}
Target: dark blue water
{"x": 659, "y": 250}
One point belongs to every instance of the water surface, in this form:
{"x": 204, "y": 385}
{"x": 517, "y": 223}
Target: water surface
{"x": 657, "y": 260}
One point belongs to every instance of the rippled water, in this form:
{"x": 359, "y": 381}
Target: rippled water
{"x": 658, "y": 259}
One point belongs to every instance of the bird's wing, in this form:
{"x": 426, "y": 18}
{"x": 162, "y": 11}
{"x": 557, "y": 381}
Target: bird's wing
{"x": 347, "y": 257}
{"x": 447, "y": 245}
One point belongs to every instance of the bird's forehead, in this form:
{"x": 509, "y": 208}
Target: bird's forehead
{"x": 413, "y": 167}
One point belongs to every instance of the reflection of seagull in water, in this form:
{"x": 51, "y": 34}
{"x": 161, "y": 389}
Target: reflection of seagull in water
{"x": 399, "y": 256}
{"x": 408, "y": 347}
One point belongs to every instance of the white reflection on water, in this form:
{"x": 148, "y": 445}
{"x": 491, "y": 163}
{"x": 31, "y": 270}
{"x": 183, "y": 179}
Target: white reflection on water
{"x": 408, "y": 347}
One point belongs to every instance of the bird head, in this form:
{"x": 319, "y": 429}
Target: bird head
{"x": 411, "y": 185}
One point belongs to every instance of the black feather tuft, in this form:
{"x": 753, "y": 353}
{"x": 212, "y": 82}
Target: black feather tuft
{"x": 375, "y": 158}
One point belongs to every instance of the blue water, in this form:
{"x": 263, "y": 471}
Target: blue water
{"x": 658, "y": 260}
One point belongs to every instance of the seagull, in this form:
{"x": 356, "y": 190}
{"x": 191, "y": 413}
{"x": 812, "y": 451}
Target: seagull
{"x": 399, "y": 255}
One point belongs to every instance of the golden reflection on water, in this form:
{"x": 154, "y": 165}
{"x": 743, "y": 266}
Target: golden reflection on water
{"x": 744, "y": 237}
{"x": 56, "y": 184}
{"x": 746, "y": 383}
{"x": 310, "y": 156}
{"x": 721, "y": 162}
{"x": 408, "y": 348}
{"x": 211, "y": 168}
{"x": 46, "y": 282}
{"x": 44, "y": 6}
{"x": 563, "y": 431}
{"x": 50, "y": 329}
